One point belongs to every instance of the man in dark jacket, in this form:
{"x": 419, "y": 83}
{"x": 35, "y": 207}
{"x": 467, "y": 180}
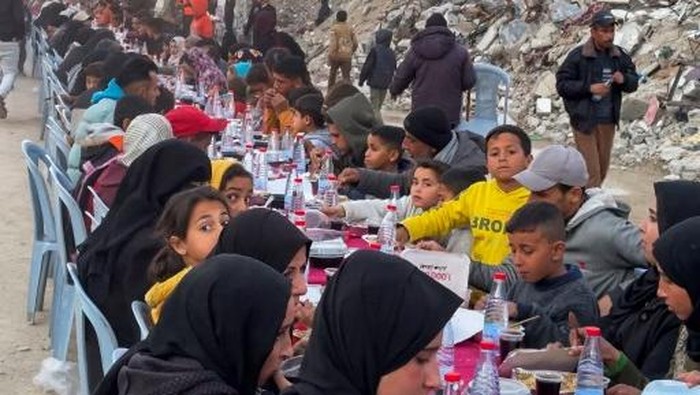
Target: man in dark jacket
{"x": 439, "y": 69}
{"x": 263, "y": 22}
{"x": 591, "y": 81}
{"x": 11, "y": 33}
{"x": 379, "y": 69}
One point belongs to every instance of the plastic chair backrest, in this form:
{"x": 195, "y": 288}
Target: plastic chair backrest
{"x": 106, "y": 340}
{"x": 488, "y": 80}
{"x": 56, "y": 144}
{"x": 44, "y": 226}
{"x": 62, "y": 187}
{"x": 99, "y": 207}
{"x": 142, "y": 314}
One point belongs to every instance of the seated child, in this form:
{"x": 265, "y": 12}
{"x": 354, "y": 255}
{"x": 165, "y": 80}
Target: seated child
{"x": 307, "y": 107}
{"x": 190, "y": 227}
{"x": 94, "y": 73}
{"x": 425, "y": 194}
{"x": 453, "y": 182}
{"x": 237, "y": 186}
{"x": 384, "y": 151}
{"x": 547, "y": 287}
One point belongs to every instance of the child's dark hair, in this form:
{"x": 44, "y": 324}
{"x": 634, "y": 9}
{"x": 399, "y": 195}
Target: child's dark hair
{"x": 341, "y": 16}
{"x": 257, "y": 75}
{"x": 293, "y": 67}
{"x": 274, "y": 56}
{"x": 525, "y": 141}
{"x": 541, "y": 216}
{"x": 391, "y": 136}
{"x": 436, "y": 166}
{"x": 311, "y": 105}
{"x": 174, "y": 222}
{"x": 236, "y": 170}
{"x": 95, "y": 70}
{"x": 239, "y": 88}
{"x": 129, "y": 107}
{"x": 458, "y": 179}
{"x": 165, "y": 101}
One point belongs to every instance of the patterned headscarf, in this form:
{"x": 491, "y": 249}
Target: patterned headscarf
{"x": 208, "y": 73}
{"x": 143, "y": 132}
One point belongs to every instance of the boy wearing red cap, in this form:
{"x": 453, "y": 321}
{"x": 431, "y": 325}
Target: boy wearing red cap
{"x": 194, "y": 125}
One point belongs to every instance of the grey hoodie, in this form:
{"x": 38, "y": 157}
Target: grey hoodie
{"x": 599, "y": 239}
{"x": 468, "y": 154}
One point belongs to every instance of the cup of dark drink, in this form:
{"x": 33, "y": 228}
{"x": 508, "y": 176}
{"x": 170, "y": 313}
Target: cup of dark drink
{"x": 337, "y": 224}
{"x": 547, "y": 383}
{"x": 372, "y": 228}
{"x": 510, "y": 340}
{"x": 314, "y": 185}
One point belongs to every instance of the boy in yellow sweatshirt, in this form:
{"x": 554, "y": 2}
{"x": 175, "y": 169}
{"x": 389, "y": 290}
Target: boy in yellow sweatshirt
{"x": 486, "y": 206}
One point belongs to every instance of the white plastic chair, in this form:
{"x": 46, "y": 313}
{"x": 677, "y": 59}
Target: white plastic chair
{"x": 142, "y": 314}
{"x": 106, "y": 339}
{"x": 63, "y": 296}
{"x": 44, "y": 244}
{"x": 99, "y": 208}
{"x": 57, "y": 144}
{"x": 489, "y": 78}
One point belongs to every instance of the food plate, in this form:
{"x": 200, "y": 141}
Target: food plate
{"x": 669, "y": 387}
{"x": 466, "y": 323}
{"x": 568, "y": 383}
{"x": 370, "y": 239}
{"x": 512, "y": 387}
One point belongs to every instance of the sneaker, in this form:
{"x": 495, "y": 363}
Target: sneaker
{"x": 3, "y": 109}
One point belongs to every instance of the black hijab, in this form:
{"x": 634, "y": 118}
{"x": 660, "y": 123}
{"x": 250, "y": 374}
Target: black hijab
{"x": 225, "y": 314}
{"x": 376, "y": 314}
{"x": 264, "y": 235}
{"x": 161, "y": 171}
{"x": 678, "y": 253}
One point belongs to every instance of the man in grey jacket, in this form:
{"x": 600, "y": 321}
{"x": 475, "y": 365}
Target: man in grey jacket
{"x": 428, "y": 136}
{"x": 599, "y": 238}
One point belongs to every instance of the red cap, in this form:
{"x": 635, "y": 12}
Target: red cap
{"x": 487, "y": 345}
{"x": 453, "y": 377}
{"x": 499, "y": 276}
{"x": 299, "y": 212}
{"x": 188, "y": 121}
{"x": 394, "y": 188}
{"x": 249, "y": 145}
{"x": 262, "y": 149}
{"x": 332, "y": 177}
{"x": 298, "y": 179}
{"x": 391, "y": 207}
{"x": 593, "y": 331}
{"x": 300, "y": 223}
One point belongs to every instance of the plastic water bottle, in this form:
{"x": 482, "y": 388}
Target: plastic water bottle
{"x": 486, "y": 377}
{"x": 395, "y": 190}
{"x": 289, "y": 190}
{"x": 211, "y": 149}
{"x": 274, "y": 145}
{"x": 589, "y": 375}
{"x": 446, "y": 352}
{"x": 299, "y": 154}
{"x": 387, "y": 230}
{"x": 298, "y": 195}
{"x": 248, "y": 162}
{"x": 228, "y": 140}
{"x": 286, "y": 145}
{"x": 330, "y": 195}
{"x": 248, "y": 127}
{"x": 261, "y": 170}
{"x": 496, "y": 316}
{"x": 453, "y": 384}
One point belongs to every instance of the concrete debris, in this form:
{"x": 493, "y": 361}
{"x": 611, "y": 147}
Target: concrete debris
{"x": 546, "y": 85}
{"x": 632, "y": 108}
{"x": 543, "y": 106}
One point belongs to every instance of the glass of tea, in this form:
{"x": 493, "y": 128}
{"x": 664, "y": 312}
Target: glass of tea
{"x": 510, "y": 340}
{"x": 548, "y": 383}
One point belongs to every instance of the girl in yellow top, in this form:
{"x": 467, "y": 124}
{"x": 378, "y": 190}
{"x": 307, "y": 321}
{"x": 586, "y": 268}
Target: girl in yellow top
{"x": 486, "y": 206}
{"x": 191, "y": 224}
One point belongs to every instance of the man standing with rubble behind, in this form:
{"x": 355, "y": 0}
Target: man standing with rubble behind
{"x": 591, "y": 81}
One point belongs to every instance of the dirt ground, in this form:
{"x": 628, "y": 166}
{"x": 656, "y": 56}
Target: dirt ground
{"x": 23, "y": 346}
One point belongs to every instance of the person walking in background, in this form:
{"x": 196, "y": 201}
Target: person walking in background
{"x": 342, "y": 46}
{"x": 379, "y": 69}
{"x": 12, "y": 31}
{"x": 262, "y": 20}
{"x": 591, "y": 81}
{"x": 438, "y": 69}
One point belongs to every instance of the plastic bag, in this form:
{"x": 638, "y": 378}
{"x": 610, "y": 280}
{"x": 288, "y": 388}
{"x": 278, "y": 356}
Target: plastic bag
{"x": 57, "y": 376}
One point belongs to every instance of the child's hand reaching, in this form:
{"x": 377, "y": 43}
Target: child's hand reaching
{"x": 430, "y": 245}
{"x": 334, "y": 211}
{"x": 315, "y": 159}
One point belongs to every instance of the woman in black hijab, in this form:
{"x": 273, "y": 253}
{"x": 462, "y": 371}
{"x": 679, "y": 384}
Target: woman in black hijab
{"x": 224, "y": 330}
{"x": 114, "y": 259}
{"x": 268, "y": 237}
{"x": 639, "y": 324}
{"x": 677, "y": 253}
{"x": 377, "y": 330}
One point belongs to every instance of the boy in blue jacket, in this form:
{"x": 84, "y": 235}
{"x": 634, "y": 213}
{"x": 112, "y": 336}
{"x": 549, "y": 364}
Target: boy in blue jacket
{"x": 378, "y": 70}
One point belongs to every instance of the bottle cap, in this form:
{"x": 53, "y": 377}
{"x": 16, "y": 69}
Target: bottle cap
{"x": 299, "y": 212}
{"x": 593, "y": 331}
{"x": 249, "y": 145}
{"x": 487, "y": 345}
{"x": 499, "y": 276}
{"x": 453, "y": 377}
{"x": 300, "y": 223}
{"x": 394, "y": 188}
{"x": 332, "y": 177}
{"x": 262, "y": 149}
{"x": 391, "y": 207}
{"x": 298, "y": 179}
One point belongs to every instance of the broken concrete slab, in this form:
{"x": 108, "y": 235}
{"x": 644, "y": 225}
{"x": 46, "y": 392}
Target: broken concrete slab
{"x": 629, "y": 37}
{"x": 543, "y": 106}
{"x": 633, "y": 108}
{"x": 547, "y": 85}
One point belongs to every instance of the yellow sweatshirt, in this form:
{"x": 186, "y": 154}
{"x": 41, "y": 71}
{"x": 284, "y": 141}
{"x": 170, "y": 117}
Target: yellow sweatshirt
{"x": 485, "y": 209}
{"x": 159, "y": 292}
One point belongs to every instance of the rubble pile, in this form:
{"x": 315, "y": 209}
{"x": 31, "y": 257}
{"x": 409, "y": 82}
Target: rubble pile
{"x": 530, "y": 39}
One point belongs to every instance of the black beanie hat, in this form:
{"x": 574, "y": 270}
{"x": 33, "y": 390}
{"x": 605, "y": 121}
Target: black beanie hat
{"x": 436, "y": 20}
{"x": 430, "y": 126}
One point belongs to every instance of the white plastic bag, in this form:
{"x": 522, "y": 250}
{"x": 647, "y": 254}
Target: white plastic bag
{"x": 57, "y": 376}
